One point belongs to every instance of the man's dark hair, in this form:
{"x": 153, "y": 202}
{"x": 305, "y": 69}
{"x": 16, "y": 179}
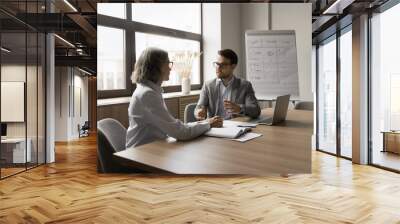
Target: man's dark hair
{"x": 229, "y": 54}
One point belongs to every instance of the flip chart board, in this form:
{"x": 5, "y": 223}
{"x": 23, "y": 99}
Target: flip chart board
{"x": 271, "y": 63}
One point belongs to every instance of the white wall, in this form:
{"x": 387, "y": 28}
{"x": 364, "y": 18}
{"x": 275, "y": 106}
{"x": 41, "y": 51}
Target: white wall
{"x": 254, "y": 16}
{"x": 83, "y": 83}
{"x": 17, "y": 73}
{"x": 80, "y": 83}
{"x": 211, "y": 37}
{"x": 297, "y": 16}
{"x": 61, "y": 103}
{"x": 33, "y": 126}
{"x": 224, "y": 26}
{"x": 14, "y": 72}
{"x": 231, "y": 34}
{"x": 67, "y": 117}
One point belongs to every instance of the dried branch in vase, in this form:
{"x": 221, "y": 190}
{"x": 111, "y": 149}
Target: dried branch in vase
{"x": 183, "y": 61}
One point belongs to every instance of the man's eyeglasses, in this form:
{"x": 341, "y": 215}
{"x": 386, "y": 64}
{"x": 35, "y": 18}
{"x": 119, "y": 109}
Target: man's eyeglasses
{"x": 220, "y": 65}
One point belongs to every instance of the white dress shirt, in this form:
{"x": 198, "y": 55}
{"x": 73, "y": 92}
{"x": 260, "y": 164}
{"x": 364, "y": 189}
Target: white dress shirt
{"x": 150, "y": 120}
{"x": 225, "y": 93}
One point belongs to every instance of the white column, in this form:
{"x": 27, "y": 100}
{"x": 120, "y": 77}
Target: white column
{"x": 50, "y": 99}
{"x": 360, "y": 90}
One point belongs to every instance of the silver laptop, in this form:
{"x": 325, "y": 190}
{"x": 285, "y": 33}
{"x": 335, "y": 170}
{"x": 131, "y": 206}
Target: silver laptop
{"x": 280, "y": 111}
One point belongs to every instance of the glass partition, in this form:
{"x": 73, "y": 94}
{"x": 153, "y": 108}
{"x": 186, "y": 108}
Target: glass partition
{"x": 327, "y": 96}
{"x": 13, "y": 94}
{"x": 346, "y": 94}
{"x": 31, "y": 98}
{"x": 22, "y": 77}
{"x": 385, "y": 89}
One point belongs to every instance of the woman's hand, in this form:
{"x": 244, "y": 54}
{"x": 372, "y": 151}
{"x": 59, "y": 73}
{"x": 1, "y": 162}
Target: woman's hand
{"x": 216, "y": 122}
{"x": 200, "y": 113}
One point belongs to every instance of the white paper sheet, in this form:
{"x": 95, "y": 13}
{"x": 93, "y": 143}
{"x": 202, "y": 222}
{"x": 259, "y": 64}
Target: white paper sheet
{"x": 229, "y": 123}
{"x": 227, "y": 132}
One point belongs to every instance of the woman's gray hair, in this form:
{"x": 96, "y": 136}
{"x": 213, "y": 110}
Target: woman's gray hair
{"x": 148, "y": 66}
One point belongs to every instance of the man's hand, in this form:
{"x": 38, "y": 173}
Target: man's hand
{"x": 216, "y": 122}
{"x": 231, "y": 107}
{"x": 200, "y": 113}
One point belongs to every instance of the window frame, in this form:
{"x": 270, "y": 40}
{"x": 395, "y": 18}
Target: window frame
{"x": 346, "y": 29}
{"x": 342, "y": 23}
{"x": 131, "y": 27}
{"x": 379, "y": 10}
{"x": 333, "y": 34}
{"x": 37, "y": 59}
{"x": 333, "y": 37}
{"x": 128, "y": 84}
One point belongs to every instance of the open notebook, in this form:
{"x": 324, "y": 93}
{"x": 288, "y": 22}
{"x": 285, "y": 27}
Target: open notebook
{"x": 227, "y": 132}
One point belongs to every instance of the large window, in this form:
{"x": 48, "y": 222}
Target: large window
{"x": 111, "y": 58}
{"x": 175, "y": 28}
{"x": 385, "y": 87}
{"x": 334, "y": 100}
{"x": 112, "y": 9}
{"x": 174, "y": 47}
{"x": 346, "y": 93}
{"x": 327, "y": 96}
{"x": 187, "y": 19}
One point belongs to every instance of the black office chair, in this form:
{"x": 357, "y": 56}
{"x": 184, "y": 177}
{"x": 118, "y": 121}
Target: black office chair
{"x": 84, "y": 130}
{"x": 111, "y": 137}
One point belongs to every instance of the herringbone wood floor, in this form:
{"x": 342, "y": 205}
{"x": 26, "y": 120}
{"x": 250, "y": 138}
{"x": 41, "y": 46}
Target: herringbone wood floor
{"x": 71, "y": 191}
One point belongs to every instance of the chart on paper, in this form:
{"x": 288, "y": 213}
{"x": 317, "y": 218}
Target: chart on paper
{"x": 271, "y": 63}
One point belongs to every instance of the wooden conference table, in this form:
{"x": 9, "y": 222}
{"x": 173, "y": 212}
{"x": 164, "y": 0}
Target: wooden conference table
{"x": 285, "y": 148}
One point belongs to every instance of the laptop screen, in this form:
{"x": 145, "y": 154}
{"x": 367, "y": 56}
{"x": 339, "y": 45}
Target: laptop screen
{"x": 281, "y": 107}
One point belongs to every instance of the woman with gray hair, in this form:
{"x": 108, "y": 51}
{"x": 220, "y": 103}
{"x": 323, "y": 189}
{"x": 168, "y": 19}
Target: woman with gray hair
{"x": 149, "y": 118}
